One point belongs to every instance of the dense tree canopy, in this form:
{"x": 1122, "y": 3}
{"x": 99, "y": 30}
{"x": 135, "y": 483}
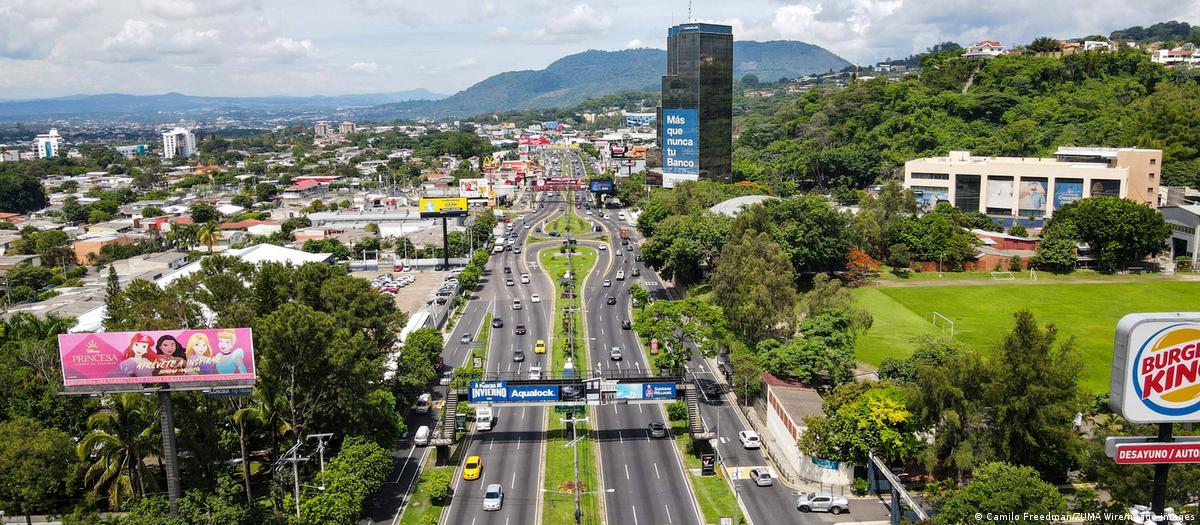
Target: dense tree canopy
{"x": 1118, "y": 230}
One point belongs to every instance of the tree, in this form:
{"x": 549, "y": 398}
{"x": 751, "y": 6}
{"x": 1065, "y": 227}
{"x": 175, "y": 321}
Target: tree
{"x": 202, "y": 213}
{"x": 1035, "y": 397}
{"x": 862, "y": 419}
{"x": 243, "y": 200}
{"x": 754, "y": 286}
{"x": 358, "y": 470}
{"x": 152, "y": 211}
{"x": 1055, "y": 253}
{"x": 684, "y": 247}
{"x": 641, "y": 296}
{"x": 999, "y": 489}
{"x": 54, "y": 247}
{"x": 73, "y": 212}
{"x": 36, "y": 463}
{"x": 265, "y": 191}
{"x": 880, "y": 218}
{"x": 208, "y": 235}
{"x": 23, "y": 193}
{"x": 1117, "y": 229}
{"x": 812, "y": 233}
{"x": 823, "y": 354}
{"x": 35, "y": 277}
{"x": 940, "y": 236}
{"x": 119, "y": 438}
{"x": 682, "y": 325}
{"x": 1043, "y": 44}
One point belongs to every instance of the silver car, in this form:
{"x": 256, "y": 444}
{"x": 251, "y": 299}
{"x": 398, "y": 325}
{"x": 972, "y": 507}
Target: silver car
{"x": 822, "y": 502}
{"x": 493, "y": 497}
{"x": 762, "y": 477}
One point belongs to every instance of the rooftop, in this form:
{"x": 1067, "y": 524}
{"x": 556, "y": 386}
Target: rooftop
{"x": 734, "y": 206}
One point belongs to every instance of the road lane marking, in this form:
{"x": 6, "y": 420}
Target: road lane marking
{"x": 668, "y": 513}
{"x": 627, "y": 471}
{"x": 634, "y": 507}
{"x": 513, "y": 483}
{"x": 656, "y": 470}
{"x": 518, "y": 443}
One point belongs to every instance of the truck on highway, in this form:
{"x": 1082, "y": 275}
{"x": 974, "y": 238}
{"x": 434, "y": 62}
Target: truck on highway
{"x": 624, "y": 232}
{"x": 483, "y": 418}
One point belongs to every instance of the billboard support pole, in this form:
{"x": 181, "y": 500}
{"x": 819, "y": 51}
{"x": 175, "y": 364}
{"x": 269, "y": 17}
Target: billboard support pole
{"x": 1158, "y": 500}
{"x": 166, "y": 416}
{"x": 445, "y": 245}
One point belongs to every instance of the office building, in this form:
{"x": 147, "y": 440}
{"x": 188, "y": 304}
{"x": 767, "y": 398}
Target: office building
{"x": 1028, "y": 190}
{"x": 346, "y": 127}
{"x": 696, "y": 116}
{"x": 48, "y": 145}
{"x": 321, "y": 128}
{"x": 136, "y": 150}
{"x": 179, "y": 142}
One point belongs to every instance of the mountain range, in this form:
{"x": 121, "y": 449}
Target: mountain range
{"x": 565, "y": 82}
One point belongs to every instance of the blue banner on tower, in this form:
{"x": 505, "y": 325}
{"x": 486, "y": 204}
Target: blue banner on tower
{"x": 681, "y": 141}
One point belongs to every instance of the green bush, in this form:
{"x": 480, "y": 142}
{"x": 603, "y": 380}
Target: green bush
{"x": 431, "y": 517}
{"x": 677, "y": 411}
{"x": 1014, "y": 264}
{"x": 439, "y": 485}
{"x": 358, "y": 470}
{"x": 859, "y": 487}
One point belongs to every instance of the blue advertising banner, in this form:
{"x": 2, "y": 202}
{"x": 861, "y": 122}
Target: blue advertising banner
{"x": 629, "y": 391}
{"x": 1066, "y": 192}
{"x": 659, "y": 391}
{"x": 825, "y": 463}
{"x": 639, "y": 121}
{"x": 681, "y": 141}
{"x": 601, "y": 186}
{"x": 533, "y": 393}
{"x": 488, "y": 391}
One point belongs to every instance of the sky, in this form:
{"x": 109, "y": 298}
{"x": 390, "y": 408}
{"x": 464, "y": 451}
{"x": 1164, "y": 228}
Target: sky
{"x": 316, "y": 47}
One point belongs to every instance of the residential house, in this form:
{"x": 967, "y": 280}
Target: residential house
{"x": 985, "y": 49}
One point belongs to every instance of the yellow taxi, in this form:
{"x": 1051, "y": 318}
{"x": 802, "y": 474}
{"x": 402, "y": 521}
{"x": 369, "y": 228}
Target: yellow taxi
{"x": 472, "y": 468}
{"x": 540, "y": 347}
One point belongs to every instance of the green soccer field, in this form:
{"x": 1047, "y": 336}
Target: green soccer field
{"x": 982, "y": 314}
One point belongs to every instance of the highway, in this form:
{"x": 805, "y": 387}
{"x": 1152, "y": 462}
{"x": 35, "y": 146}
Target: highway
{"x": 764, "y": 505}
{"x": 513, "y": 451}
{"x": 646, "y": 474}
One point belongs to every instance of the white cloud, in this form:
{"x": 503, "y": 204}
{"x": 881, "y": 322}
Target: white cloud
{"x": 29, "y": 29}
{"x": 285, "y": 49}
{"x": 364, "y": 67}
{"x": 500, "y": 34}
{"x": 135, "y": 35}
{"x": 634, "y": 44}
{"x": 466, "y": 62}
{"x": 194, "y": 41}
{"x": 185, "y": 9}
{"x": 581, "y": 22}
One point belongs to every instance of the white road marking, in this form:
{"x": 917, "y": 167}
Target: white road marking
{"x": 627, "y": 471}
{"x": 656, "y": 470}
{"x": 522, "y": 416}
{"x": 513, "y": 483}
{"x": 491, "y": 441}
{"x": 621, "y": 438}
{"x": 668, "y": 513}
{"x": 472, "y": 521}
{"x": 639, "y": 408}
{"x": 518, "y": 443}
{"x": 631, "y": 506}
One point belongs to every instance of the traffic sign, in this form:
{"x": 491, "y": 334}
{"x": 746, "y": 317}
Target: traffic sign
{"x": 1153, "y": 453}
{"x": 568, "y": 409}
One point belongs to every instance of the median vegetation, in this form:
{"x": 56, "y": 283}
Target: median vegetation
{"x": 558, "y": 503}
{"x": 554, "y": 262}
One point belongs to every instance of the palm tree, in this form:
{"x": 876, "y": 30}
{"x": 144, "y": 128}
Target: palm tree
{"x": 182, "y": 234}
{"x": 244, "y": 420}
{"x": 209, "y": 234}
{"x": 120, "y": 436}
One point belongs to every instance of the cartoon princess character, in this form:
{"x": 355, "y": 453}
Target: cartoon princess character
{"x": 199, "y": 355}
{"x": 172, "y": 360}
{"x": 139, "y": 360}
{"x": 229, "y": 360}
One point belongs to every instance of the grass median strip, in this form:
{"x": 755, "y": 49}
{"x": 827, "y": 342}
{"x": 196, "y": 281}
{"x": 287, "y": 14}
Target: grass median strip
{"x": 558, "y": 503}
{"x": 555, "y": 265}
{"x": 713, "y": 494}
{"x": 422, "y": 509}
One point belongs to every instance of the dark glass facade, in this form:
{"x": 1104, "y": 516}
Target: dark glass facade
{"x": 966, "y": 192}
{"x": 700, "y": 76}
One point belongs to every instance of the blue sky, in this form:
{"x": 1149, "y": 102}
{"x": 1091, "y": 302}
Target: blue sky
{"x": 311, "y": 47}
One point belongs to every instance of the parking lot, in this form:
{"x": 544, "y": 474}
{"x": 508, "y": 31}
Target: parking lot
{"x": 412, "y": 297}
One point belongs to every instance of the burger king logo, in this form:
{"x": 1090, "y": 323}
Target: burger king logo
{"x": 1166, "y": 377}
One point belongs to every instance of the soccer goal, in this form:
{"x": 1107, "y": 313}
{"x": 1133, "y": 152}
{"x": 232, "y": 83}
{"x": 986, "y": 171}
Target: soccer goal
{"x": 942, "y": 322}
{"x": 1003, "y": 276}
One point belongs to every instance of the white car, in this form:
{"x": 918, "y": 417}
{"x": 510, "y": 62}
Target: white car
{"x": 524, "y": 278}
{"x": 535, "y": 372}
{"x": 603, "y": 247}
{"x": 493, "y": 497}
{"x": 607, "y": 283}
{"x": 614, "y": 354}
{"x": 749, "y": 439}
{"x": 535, "y": 298}
{"x": 620, "y": 275}
{"x": 762, "y": 476}
{"x": 516, "y": 304}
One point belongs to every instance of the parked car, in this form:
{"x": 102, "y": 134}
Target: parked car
{"x": 749, "y": 439}
{"x": 447, "y": 378}
{"x": 762, "y": 476}
{"x": 822, "y": 502}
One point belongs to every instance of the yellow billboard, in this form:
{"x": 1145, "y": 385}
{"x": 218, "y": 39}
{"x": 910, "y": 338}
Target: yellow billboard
{"x": 442, "y": 206}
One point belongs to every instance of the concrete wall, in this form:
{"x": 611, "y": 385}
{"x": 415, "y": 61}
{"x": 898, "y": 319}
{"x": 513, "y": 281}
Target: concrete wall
{"x": 794, "y": 460}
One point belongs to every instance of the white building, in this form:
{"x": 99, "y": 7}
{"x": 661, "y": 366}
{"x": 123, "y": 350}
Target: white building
{"x": 986, "y": 48}
{"x": 321, "y": 128}
{"x": 179, "y": 142}
{"x": 47, "y": 145}
{"x": 346, "y": 127}
{"x": 1098, "y": 45}
{"x": 1185, "y": 55}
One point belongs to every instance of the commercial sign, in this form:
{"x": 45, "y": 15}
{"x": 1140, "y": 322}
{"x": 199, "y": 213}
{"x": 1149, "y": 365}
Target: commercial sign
{"x": 601, "y": 186}
{"x": 1066, "y": 192}
{"x": 1147, "y": 453}
{"x": 1032, "y": 196}
{"x": 533, "y": 393}
{"x": 999, "y": 193}
{"x": 616, "y": 150}
{"x": 488, "y": 391}
{"x": 639, "y": 120}
{"x": 825, "y": 463}
{"x": 681, "y": 141}
{"x": 442, "y": 207}
{"x": 629, "y": 391}
{"x": 659, "y": 391}
{"x": 1156, "y": 368}
{"x": 185, "y": 359}
{"x": 929, "y": 196}
{"x": 474, "y": 188}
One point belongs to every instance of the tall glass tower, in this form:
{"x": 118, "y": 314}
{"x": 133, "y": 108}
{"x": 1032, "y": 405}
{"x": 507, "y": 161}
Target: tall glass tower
{"x": 696, "y": 120}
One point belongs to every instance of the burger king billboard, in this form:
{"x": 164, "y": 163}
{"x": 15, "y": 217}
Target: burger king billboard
{"x": 1156, "y": 368}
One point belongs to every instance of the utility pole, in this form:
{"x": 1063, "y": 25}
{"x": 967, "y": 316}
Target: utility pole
{"x": 321, "y": 440}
